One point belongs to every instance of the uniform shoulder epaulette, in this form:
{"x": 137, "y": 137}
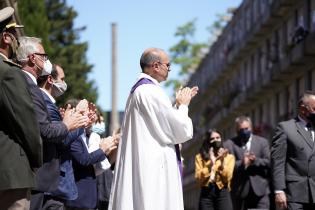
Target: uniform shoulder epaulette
{"x": 12, "y": 63}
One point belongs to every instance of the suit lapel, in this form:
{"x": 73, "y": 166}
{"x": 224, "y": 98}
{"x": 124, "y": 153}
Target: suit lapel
{"x": 253, "y": 145}
{"x": 304, "y": 134}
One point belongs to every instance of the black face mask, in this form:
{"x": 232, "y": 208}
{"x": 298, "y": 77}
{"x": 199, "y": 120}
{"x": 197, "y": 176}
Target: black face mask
{"x": 311, "y": 118}
{"x": 216, "y": 145}
{"x": 244, "y": 134}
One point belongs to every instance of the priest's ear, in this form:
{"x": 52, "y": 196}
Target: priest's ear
{"x": 155, "y": 65}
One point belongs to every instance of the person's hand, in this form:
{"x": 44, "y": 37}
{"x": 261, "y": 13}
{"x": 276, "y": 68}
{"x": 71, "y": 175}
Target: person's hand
{"x": 112, "y": 156}
{"x": 116, "y": 137}
{"x": 92, "y": 107}
{"x": 62, "y": 112}
{"x": 183, "y": 96}
{"x": 83, "y": 107}
{"x": 108, "y": 145}
{"x": 73, "y": 119}
{"x": 281, "y": 200}
{"x": 222, "y": 152}
{"x": 194, "y": 91}
{"x": 91, "y": 114}
{"x": 252, "y": 157}
{"x": 246, "y": 160}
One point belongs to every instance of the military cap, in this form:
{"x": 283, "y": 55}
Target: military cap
{"x": 6, "y": 19}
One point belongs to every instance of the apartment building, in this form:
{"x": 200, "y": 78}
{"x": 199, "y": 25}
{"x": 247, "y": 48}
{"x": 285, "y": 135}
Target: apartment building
{"x": 259, "y": 66}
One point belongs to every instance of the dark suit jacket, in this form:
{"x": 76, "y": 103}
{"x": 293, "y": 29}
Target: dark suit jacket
{"x": 20, "y": 142}
{"x": 67, "y": 188}
{"x": 47, "y": 176}
{"x": 293, "y": 162}
{"x": 255, "y": 175}
{"x": 84, "y": 174}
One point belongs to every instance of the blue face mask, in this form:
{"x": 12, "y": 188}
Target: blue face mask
{"x": 98, "y": 128}
{"x": 244, "y": 134}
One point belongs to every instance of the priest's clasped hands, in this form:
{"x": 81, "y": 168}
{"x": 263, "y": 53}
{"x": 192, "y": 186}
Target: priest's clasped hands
{"x": 184, "y": 95}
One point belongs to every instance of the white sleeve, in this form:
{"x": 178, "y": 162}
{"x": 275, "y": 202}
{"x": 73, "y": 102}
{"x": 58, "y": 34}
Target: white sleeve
{"x": 173, "y": 126}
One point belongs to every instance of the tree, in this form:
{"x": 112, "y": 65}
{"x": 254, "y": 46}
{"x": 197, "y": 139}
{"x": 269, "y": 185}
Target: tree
{"x": 35, "y": 28}
{"x": 68, "y": 52}
{"x": 55, "y": 25}
{"x": 186, "y": 53}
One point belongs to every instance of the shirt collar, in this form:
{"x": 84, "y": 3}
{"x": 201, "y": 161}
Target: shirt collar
{"x": 31, "y": 76}
{"x": 5, "y": 57}
{"x": 144, "y": 75}
{"x": 48, "y": 94}
{"x": 302, "y": 121}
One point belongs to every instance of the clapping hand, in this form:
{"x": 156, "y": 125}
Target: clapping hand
{"x": 222, "y": 152}
{"x": 73, "y": 119}
{"x": 184, "y": 95}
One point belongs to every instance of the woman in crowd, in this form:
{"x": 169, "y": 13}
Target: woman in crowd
{"x": 214, "y": 169}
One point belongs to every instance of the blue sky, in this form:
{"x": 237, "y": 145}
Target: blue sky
{"x": 141, "y": 24}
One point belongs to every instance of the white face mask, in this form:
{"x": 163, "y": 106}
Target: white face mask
{"x": 47, "y": 68}
{"x": 58, "y": 88}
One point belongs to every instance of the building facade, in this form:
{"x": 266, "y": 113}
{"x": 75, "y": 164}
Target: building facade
{"x": 259, "y": 66}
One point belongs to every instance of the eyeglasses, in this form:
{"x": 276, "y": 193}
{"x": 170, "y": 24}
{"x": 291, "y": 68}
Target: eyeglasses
{"x": 43, "y": 55}
{"x": 309, "y": 108}
{"x": 168, "y": 65}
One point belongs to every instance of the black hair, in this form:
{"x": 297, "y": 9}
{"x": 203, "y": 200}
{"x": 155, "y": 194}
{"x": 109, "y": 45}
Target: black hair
{"x": 73, "y": 103}
{"x": 204, "y": 150}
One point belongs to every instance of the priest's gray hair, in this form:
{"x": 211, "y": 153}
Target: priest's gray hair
{"x": 28, "y": 46}
{"x": 149, "y": 56}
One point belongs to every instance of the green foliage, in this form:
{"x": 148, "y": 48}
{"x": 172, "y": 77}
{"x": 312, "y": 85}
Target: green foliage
{"x": 68, "y": 51}
{"x": 55, "y": 23}
{"x": 35, "y": 28}
{"x": 186, "y": 53}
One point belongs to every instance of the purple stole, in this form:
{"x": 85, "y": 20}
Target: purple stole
{"x": 143, "y": 81}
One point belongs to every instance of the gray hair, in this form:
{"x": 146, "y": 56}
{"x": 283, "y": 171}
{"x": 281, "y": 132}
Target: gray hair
{"x": 304, "y": 98}
{"x": 28, "y": 46}
{"x": 242, "y": 119}
{"x": 149, "y": 56}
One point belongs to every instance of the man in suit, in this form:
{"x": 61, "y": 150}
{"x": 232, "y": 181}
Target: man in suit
{"x": 20, "y": 142}
{"x": 35, "y": 63}
{"x": 53, "y": 86}
{"x": 84, "y": 171}
{"x": 250, "y": 184}
{"x": 293, "y": 158}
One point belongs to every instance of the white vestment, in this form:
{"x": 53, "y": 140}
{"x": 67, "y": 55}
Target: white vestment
{"x": 146, "y": 175}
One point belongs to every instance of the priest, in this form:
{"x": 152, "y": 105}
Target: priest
{"x": 147, "y": 175}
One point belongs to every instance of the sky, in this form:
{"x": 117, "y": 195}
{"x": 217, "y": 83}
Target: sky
{"x": 140, "y": 24}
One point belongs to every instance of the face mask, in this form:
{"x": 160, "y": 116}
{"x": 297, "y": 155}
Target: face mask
{"x": 311, "y": 118}
{"x": 98, "y": 128}
{"x": 216, "y": 145}
{"x": 58, "y": 88}
{"x": 14, "y": 45}
{"x": 47, "y": 68}
{"x": 244, "y": 134}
